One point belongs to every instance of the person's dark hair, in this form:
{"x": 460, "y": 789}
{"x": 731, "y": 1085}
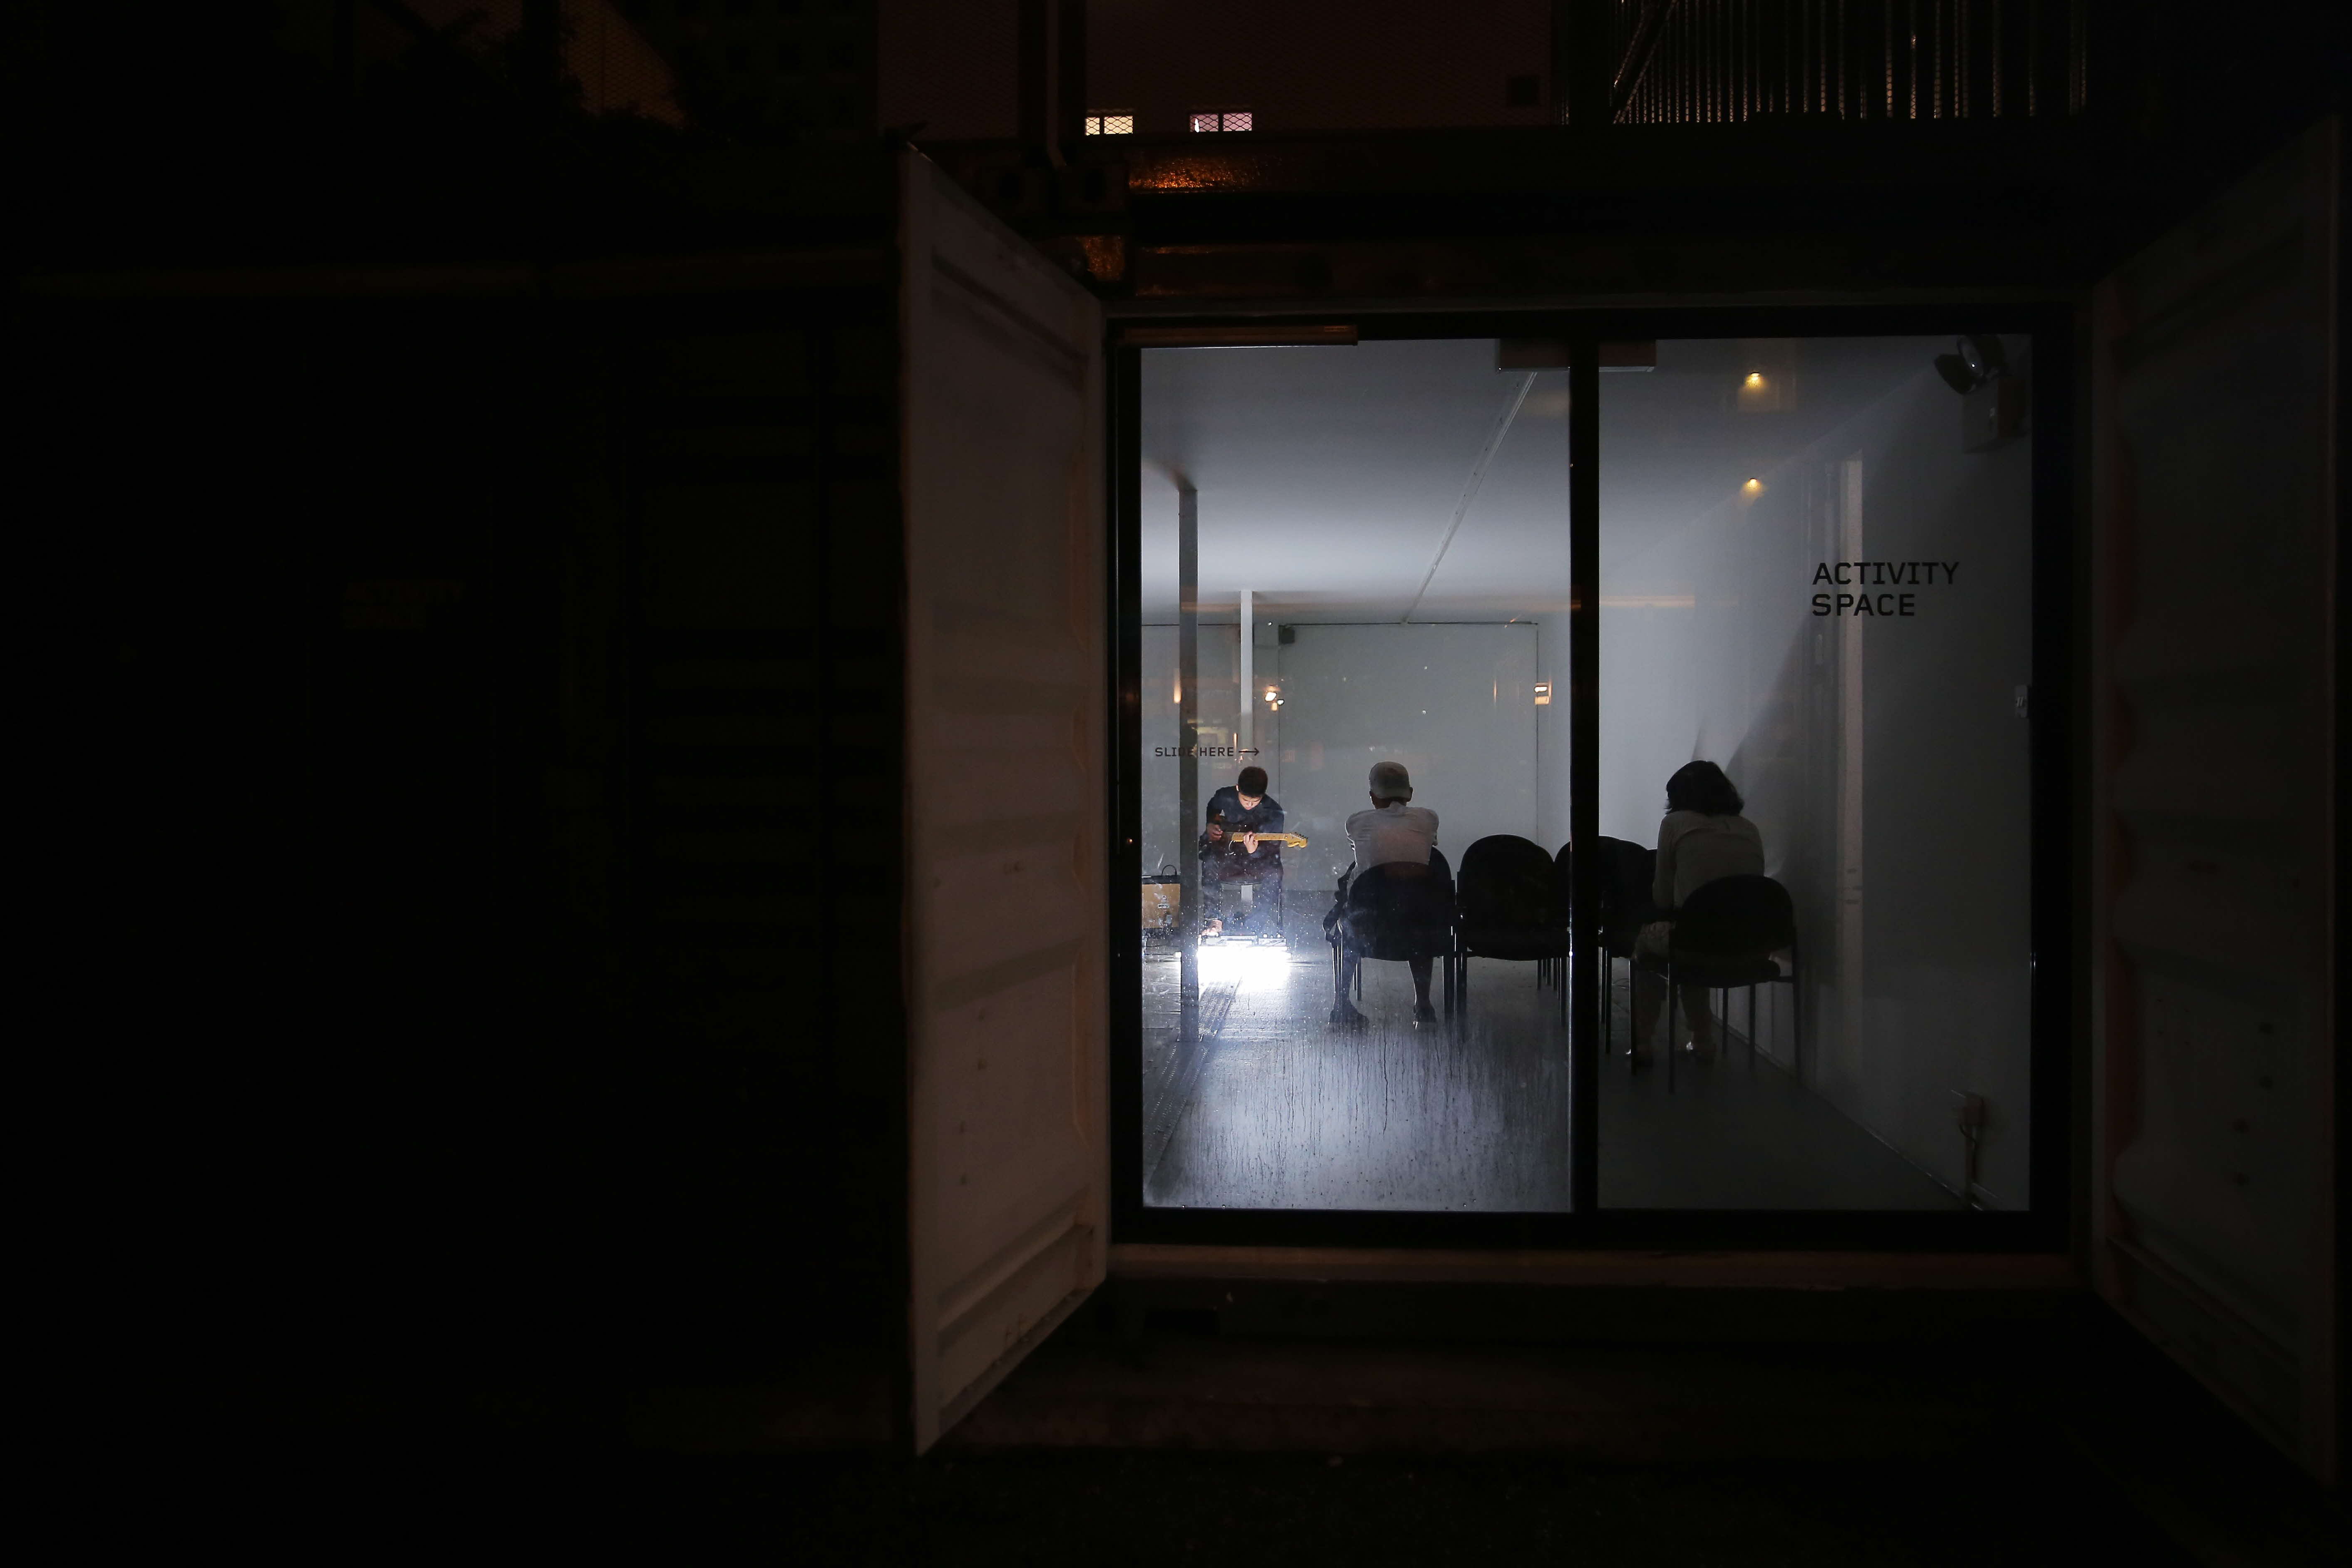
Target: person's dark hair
{"x": 1251, "y": 782}
{"x": 1703, "y": 787}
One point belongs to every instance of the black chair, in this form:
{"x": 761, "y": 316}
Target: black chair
{"x": 1723, "y": 940}
{"x": 1626, "y": 870}
{"x": 1395, "y": 914}
{"x": 1510, "y": 909}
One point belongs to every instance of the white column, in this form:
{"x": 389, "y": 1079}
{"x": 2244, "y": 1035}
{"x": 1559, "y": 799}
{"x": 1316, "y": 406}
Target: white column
{"x": 1247, "y": 726}
{"x": 1187, "y": 739}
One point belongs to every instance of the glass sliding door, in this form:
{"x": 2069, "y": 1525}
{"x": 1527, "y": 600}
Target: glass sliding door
{"x": 1353, "y": 596}
{"x": 1601, "y": 820}
{"x": 1816, "y": 629}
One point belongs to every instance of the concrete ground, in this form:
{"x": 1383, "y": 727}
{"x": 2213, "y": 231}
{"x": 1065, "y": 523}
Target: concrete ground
{"x": 1866, "y": 1435}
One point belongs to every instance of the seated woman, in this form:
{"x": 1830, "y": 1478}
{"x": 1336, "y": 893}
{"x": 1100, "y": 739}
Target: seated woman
{"x": 1701, "y": 837}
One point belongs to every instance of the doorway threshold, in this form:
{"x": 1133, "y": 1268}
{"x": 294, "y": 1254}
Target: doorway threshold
{"x": 1793, "y": 1270}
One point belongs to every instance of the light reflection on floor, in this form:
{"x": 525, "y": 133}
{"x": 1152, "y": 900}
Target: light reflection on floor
{"x": 1279, "y": 1110}
{"x": 1246, "y": 965}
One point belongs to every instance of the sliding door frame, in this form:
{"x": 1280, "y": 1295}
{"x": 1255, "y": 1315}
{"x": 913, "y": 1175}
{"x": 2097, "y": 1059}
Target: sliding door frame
{"x": 2056, "y": 940}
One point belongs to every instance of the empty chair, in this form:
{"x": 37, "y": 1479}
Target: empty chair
{"x": 1510, "y": 907}
{"x": 1396, "y": 913}
{"x": 1723, "y": 940}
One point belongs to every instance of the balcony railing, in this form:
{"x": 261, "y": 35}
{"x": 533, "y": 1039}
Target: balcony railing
{"x": 1694, "y": 61}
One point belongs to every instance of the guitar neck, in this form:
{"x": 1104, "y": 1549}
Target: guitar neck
{"x": 1287, "y": 840}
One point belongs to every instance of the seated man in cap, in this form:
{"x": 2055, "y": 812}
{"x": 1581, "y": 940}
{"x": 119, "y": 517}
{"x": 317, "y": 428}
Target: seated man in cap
{"x": 1232, "y": 853}
{"x": 1394, "y": 832}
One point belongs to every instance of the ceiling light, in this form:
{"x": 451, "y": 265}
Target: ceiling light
{"x": 1754, "y": 378}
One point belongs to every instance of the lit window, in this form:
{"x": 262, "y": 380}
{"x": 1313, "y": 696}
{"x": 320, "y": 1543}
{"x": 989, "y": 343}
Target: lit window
{"x": 1204, "y": 122}
{"x": 1223, "y": 119}
{"x": 1110, "y": 124}
{"x": 1240, "y": 121}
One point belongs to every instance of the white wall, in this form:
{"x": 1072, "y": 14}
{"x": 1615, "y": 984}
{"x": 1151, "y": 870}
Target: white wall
{"x": 1453, "y": 703}
{"x": 1709, "y": 650}
{"x": 1552, "y": 734}
{"x": 1165, "y": 833}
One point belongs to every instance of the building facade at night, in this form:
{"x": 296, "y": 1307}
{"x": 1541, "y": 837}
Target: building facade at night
{"x": 670, "y": 563}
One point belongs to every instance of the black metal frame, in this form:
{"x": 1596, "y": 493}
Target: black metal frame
{"x": 2043, "y": 1225}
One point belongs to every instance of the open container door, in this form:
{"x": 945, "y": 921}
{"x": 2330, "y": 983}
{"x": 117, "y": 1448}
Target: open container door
{"x": 1006, "y": 962}
{"x": 2218, "y": 1057}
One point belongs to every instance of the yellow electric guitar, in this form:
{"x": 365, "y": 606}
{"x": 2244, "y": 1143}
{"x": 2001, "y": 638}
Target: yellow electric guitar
{"x": 1287, "y": 840}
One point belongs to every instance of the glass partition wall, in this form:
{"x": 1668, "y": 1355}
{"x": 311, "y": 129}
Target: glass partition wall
{"x": 1815, "y": 621}
{"x": 1799, "y": 936}
{"x": 1350, "y": 556}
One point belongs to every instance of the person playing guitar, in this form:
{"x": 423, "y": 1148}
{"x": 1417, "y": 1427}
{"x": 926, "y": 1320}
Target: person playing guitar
{"x": 1243, "y": 843}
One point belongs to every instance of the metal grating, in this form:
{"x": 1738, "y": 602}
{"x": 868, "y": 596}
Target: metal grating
{"x": 1309, "y": 67}
{"x": 1695, "y": 61}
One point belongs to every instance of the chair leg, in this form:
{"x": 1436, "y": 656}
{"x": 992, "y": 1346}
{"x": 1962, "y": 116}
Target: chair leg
{"x": 1672, "y": 1049}
{"x": 1609, "y": 1013}
{"x": 1608, "y": 966}
{"x": 1796, "y": 1018}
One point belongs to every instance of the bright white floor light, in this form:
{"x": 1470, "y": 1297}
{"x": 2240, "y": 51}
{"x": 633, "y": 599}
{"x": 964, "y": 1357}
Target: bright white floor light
{"x": 1246, "y": 964}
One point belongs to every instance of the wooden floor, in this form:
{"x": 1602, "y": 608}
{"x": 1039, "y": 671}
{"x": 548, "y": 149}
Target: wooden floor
{"x": 1275, "y": 1108}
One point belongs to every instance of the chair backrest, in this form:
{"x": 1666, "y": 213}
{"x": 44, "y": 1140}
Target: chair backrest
{"x": 1626, "y": 869}
{"x": 1736, "y": 916}
{"x": 1397, "y": 884}
{"x": 1396, "y": 911}
{"x": 1563, "y": 881}
{"x": 1507, "y": 880}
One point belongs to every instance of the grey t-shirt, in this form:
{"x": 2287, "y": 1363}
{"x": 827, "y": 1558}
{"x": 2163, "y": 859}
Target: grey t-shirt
{"x": 1695, "y": 848}
{"x": 1393, "y": 833}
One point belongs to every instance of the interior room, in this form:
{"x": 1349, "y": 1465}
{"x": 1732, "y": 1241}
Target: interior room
{"x": 1815, "y": 568}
